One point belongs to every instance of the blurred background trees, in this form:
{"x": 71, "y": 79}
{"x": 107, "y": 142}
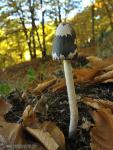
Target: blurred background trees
{"x": 27, "y": 27}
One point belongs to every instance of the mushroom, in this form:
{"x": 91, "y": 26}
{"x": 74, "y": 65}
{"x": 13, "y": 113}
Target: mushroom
{"x": 64, "y": 48}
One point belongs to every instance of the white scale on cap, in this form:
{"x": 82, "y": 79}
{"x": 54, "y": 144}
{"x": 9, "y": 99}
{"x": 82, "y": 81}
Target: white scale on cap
{"x": 63, "y": 30}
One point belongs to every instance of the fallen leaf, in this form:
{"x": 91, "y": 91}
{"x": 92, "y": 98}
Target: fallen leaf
{"x": 55, "y": 132}
{"x": 103, "y": 77}
{"x": 4, "y": 106}
{"x": 44, "y": 137}
{"x": 102, "y": 132}
{"x": 98, "y": 103}
{"x": 12, "y": 133}
{"x": 14, "y": 136}
{"x": 93, "y": 60}
{"x": 29, "y": 117}
{"x": 108, "y": 68}
{"x": 43, "y": 86}
{"x": 49, "y": 135}
{"x": 99, "y": 62}
{"x": 85, "y": 75}
{"x": 41, "y": 105}
{"x": 108, "y": 81}
{"x": 59, "y": 86}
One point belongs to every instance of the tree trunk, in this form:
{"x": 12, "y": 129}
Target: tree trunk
{"x": 40, "y": 45}
{"x": 59, "y": 12}
{"x": 31, "y": 7}
{"x": 28, "y": 40}
{"x": 43, "y": 33}
{"x": 93, "y": 24}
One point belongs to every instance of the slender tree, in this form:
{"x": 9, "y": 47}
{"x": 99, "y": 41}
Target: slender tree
{"x": 93, "y": 23}
{"x": 25, "y": 11}
{"x": 43, "y": 30}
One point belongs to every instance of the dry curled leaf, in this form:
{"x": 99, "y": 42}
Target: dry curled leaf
{"x": 58, "y": 86}
{"x": 81, "y": 76}
{"x": 108, "y": 81}
{"x": 93, "y": 60}
{"x": 102, "y": 132}
{"x": 49, "y": 135}
{"x": 41, "y": 105}
{"x": 13, "y": 135}
{"x": 108, "y": 68}
{"x": 44, "y": 137}
{"x": 98, "y": 103}
{"x": 101, "y": 63}
{"x": 103, "y": 77}
{"x": 55, "y": 132}
{"x": 85, "y": 74}
{"x": 29, "y": 117}
{"x": 43, "y": 86}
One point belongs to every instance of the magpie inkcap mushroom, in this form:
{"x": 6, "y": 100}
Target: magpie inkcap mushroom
{"x": 64, "y": 44}
{"x": 65, "y": 48}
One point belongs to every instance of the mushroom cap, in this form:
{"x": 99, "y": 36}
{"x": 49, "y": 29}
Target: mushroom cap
{"x": 64, "y": 44}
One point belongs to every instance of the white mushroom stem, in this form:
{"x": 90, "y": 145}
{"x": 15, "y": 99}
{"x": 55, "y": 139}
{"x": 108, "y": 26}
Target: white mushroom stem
{"x": 72, "y": 97}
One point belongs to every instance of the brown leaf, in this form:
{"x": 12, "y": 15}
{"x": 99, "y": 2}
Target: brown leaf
{"x": 29, "y": 117}
{"x": 108, "y": 68}
{"x": 14, "y": 136}
{"x": 4, "y": 106}
{"x": 41, "y": 105}
{"x": 60, "y": 85}
{"x": 102, "y": 132}
{"x": 98, "y": 62}
{"x": 81, "y": 76}
{"x": 55, "y": 132}
{"x": 43, "y": 86}
{"x": 93, "y": 60}
{"x": 12, "y": 133}
{"x": 49, "y": 135}
{"x": 44, "y": 137}
{"x": 104, "y": 76}
{"x": 85, "y": 74}
{"x": 98, "y": 103}
{"x": 108, "y": 81}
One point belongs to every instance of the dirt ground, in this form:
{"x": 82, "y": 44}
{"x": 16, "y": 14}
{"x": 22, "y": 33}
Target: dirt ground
{"x": 58, "y": 111}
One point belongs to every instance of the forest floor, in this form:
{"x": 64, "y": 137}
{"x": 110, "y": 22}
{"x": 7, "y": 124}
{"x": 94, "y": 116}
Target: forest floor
{"x": 30, "y": 74}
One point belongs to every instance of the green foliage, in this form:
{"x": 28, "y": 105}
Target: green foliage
{"x": 31, "y": 74}
{"x": 4, "y": 89}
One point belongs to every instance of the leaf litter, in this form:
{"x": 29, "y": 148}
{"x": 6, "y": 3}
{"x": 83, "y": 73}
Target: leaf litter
{"x": 58, "y": 109}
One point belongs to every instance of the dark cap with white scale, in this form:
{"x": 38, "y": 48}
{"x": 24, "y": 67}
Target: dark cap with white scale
{"x": 64, "y": 44}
